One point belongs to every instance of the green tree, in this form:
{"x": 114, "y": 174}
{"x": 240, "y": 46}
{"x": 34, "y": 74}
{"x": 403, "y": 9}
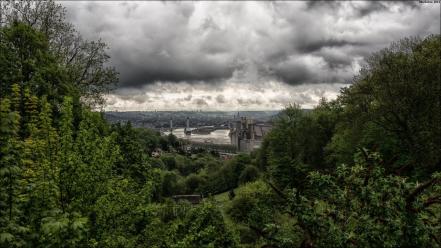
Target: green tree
{"x": 120, "y": 213}
{"x": 64, "y": 230}
{"x": 362, "y": 206}
{"x": 172, "y": 140}
{"x": 85, "y": 62}
{"x": 170, "y": 183}
{"x": 169, "y": 161}
{"x": 193, "y": 183}
{"x": 134, "y": 148}
{"x": 249, "y": 174}
{"x": 394, "y": 107}
{"x": 97, "y": 153}
{"x": 255, "y": 207}
{"x": 41, "y": 169}
{"x": 66, "y": 154}
{"x": 204, "y": 226}
{"x": 289, "y": 143}
{"x": 27, "y": 61}
{"x": 12, "y": 231}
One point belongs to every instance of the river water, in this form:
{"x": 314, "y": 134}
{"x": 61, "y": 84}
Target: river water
{"x": 216, "y": 137}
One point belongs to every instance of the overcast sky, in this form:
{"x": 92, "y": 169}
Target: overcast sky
{"x": 242, "y": 55}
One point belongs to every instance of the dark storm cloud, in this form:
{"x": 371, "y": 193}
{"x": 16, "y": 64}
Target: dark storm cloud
{"x": 364, "y": 9}
{"x": 138, "y": 75}
{"x": 371, "y": 8}
{"x": 313, "y": 46}
{"x": 333, "y": 5}
{"x": 220, "y": 99}
{"x": 377, "y": 6}
{"x": 214, "y": 42}
{"x": 293, "y": 73}
{"x": 200, "y": 102}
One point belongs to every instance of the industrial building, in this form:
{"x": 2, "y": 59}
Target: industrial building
{"x": 246, "y": 135}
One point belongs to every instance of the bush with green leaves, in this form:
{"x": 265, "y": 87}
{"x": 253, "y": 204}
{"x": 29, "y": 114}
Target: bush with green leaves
{"x": 363, "y": 206}
{"x": 249, "y": 174}
{"x": 204, "y": 226}
{"x": 257, "y": 208}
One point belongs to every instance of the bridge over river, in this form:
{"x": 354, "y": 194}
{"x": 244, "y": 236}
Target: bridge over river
{"x": 204, "y": 135}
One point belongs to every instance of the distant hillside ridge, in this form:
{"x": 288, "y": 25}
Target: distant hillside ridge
{"x": 161, "y": 119}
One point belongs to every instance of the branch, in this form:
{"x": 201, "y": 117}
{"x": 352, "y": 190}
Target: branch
{"x": 307, "y": 241}
{"x": 369, "y": 163}
{"x": 432, "y": 200}
{"x": 279, "y": 193}
{"x": 417, "y": 191}
{"x": 401, "y": 169}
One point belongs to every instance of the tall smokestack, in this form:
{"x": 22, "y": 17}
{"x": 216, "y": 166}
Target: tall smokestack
{"x": 171, "y": 126}
{"x": 188, "y": 123}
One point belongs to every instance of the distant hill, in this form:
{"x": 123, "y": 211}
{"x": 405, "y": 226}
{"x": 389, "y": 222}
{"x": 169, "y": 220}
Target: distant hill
{"x": 161, "y": 119}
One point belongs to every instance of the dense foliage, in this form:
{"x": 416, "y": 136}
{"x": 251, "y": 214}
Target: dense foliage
{"x": 69, "y": 179}
{"x": 363, "y": 170}
{"x": 83, "y": 62}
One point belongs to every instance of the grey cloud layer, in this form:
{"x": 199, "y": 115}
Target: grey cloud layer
{"x": 212, "y": 42}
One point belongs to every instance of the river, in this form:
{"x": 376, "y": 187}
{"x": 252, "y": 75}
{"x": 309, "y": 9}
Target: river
{"x": 219, "y": 136}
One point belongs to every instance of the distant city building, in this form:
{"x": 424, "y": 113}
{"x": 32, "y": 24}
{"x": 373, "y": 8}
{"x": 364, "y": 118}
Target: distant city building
{"x": 246, "y": 135}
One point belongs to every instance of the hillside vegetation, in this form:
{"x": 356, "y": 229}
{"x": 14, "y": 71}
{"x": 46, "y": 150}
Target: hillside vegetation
{"x": 363, "y": 170}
